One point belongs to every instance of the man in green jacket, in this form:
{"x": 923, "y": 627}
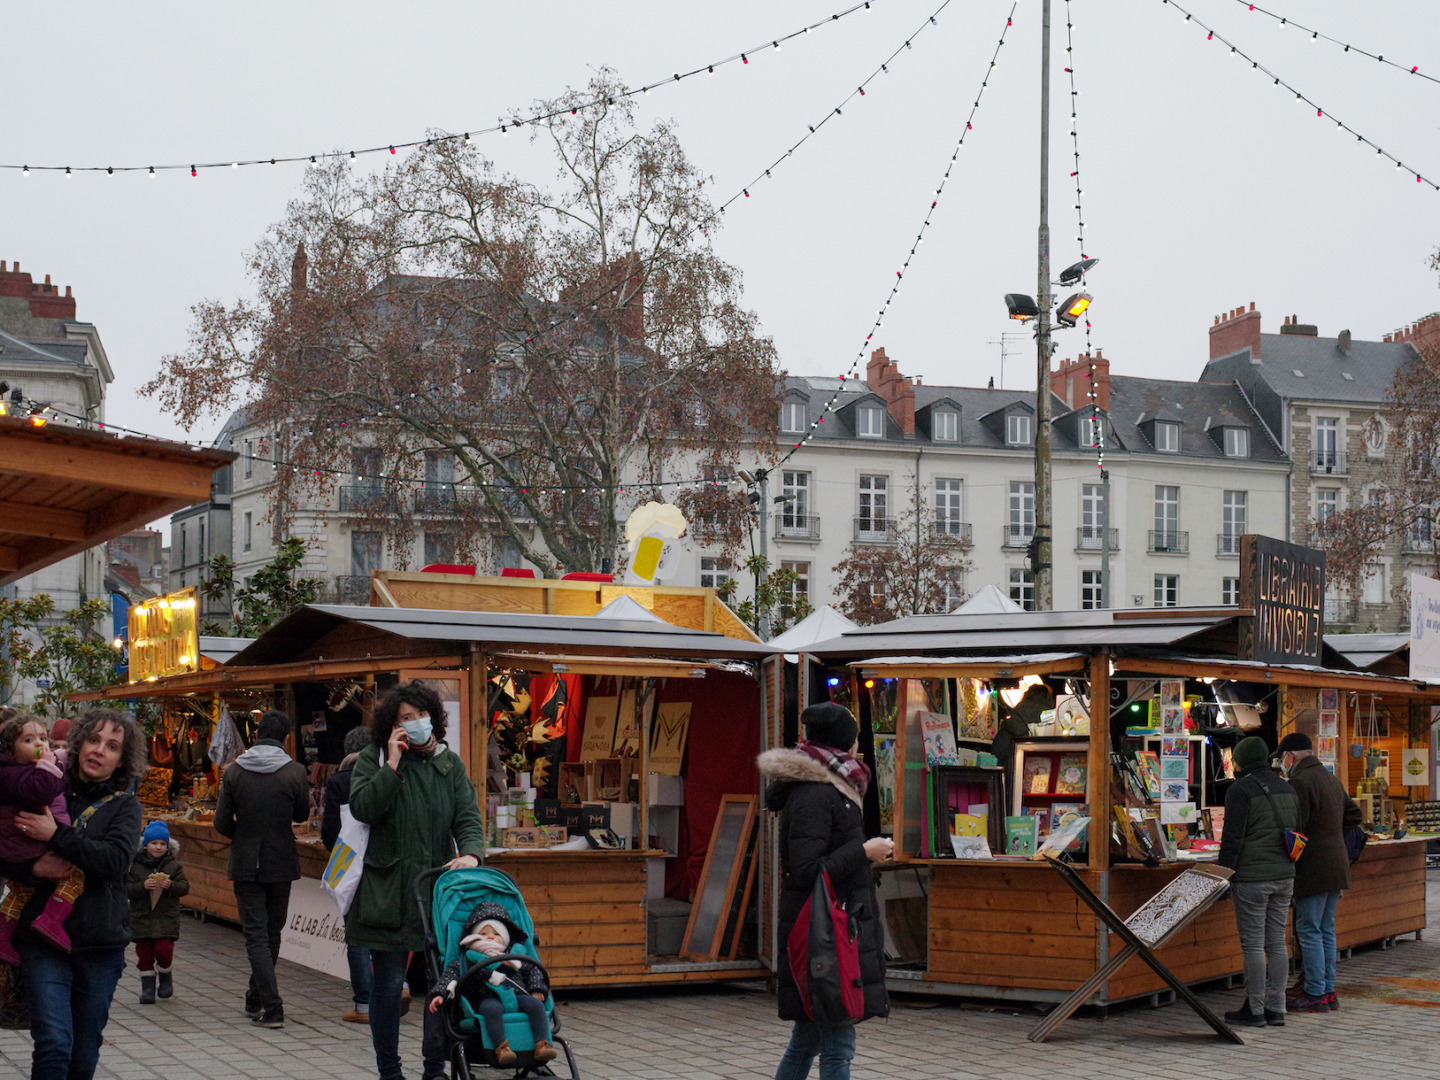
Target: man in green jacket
{"x": 1259, "y": 807}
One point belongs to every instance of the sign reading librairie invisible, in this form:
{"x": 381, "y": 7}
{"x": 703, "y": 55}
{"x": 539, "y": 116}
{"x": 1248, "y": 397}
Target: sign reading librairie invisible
{"x": 1285, "y": 585}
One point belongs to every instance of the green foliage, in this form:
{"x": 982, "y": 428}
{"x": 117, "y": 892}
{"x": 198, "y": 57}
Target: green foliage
{"x": 69, "y": 652}
{"x": 274, "y": 591}
{"x": 776, "y": 599}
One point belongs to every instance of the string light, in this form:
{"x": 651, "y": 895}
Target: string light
{"x": 1317, "y": 36}
{"x": 1320, "y": 110}
{"x": 393, "y": 147}
{"x": 900, "y": 274}
{"x": 1075, "y": 146}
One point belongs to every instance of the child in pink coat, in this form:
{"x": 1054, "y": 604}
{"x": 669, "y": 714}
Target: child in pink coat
{"x": 31, "y": 778}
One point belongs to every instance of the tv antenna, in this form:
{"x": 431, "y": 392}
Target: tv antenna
{"x": 1006, "y": 341}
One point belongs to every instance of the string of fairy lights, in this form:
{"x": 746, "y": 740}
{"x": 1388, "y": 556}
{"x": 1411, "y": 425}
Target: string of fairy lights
{"x": 501, "y": 127}
{"x": 1075, "y": 149}
{"x": 969, "y": 126}
{"x": 1211, "y": 34}
{"x": 1318, "y": 36}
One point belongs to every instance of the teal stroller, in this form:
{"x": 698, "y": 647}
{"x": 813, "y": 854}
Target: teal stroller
{"x": 453, "y": 896}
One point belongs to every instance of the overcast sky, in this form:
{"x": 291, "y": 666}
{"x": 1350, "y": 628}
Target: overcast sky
{"x": 1205, "y": 186}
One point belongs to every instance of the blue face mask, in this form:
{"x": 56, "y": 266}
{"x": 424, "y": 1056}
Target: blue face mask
{"x": 417, "y": 731}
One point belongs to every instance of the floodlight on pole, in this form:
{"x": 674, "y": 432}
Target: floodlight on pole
{"x": 1073, "y": 308}
{"x": 1071, "y": 274}
{"x": 1021, "y": 307}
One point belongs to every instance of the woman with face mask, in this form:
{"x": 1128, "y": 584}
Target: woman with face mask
{"x": 422, "y": 811}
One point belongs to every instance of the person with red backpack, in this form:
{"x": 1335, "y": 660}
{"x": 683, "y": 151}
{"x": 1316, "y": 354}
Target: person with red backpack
{"x": 818, "y": 789}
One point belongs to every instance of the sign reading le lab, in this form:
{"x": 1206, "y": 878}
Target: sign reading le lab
{"x": 1285, "y": 584}
{"x": 163, "y": 636}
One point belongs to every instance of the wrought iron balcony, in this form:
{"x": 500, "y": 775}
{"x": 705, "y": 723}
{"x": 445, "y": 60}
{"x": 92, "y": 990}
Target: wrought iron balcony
{"x": 1169, "y": 542}
{"x": 874, "y": 530}
{"x": 1227, "y": 544}
{"x": 370, "y": 499}
{"x": 1018, "y": 535}
{"x": 352, "y": 588}
{"x": 951, "y": 531}
{"x": 1328, "y": 463}
{"x": 437, "y": 499}
{"x": 1092, "y": 538}
{"x": 1421, "y": 542}
{"x": 797, "y": 526}
{"x": 1340, "y": 611}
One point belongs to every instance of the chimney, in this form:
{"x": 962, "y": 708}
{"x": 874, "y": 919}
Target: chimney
{"x": 1295, "y": 327}
{"x": 1071, "y": 381}
{"x": 45, "y": 300}
{"x": 299, "y": 270}
{"x": 1235, "y": 331}
{"x": 883, "y": 377}
{"x": 1343, "y": 342}
{"x": 1423, "y": 334}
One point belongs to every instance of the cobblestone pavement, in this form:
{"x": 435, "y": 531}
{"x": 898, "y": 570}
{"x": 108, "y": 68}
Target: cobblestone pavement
{"x": 1390, "y": 1002}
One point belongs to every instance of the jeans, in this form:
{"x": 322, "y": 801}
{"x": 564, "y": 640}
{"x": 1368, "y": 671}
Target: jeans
{"x": 390, "y": 975}
{"x": 1260, "y": 910}
{"x": 362, "y": 979}
{"x": 69, "y": 1006}
{"x": 1315, "y": 928}
{"x": 263, "y": 906}
{"x": 834, "y": 1045}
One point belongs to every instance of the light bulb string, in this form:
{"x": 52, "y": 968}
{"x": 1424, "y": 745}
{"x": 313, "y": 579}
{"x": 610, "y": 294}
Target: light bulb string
{"x": 829, "y": 407}
{"x": 1317, "y": 35}
{"x": 1320, "y": 111}
{"x": 501, "y": 127}
{"x": 1075, "y": 147}
{"x": 858, "y": 92}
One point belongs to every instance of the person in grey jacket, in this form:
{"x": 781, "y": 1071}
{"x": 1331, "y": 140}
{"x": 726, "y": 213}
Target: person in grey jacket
{"x": 1323, "y": 869}
{"x": 1259, "y": 807}
{"x": 261, "y": 794}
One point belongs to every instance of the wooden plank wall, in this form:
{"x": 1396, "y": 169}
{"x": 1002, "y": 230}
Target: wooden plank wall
{"x": 205, "y": 854}
{"x": 1386, "y": 895}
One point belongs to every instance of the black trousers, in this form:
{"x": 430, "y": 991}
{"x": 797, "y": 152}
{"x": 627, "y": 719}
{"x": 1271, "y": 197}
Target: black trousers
{"x": 263, "y": 906}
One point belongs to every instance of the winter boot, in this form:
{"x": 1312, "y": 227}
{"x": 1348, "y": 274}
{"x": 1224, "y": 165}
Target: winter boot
{"x": 544, "y": 1051}
{"x": 147, "y": 989}
{"x": 504, "y": 1055}
{"x": 167, "y": 986}
{"x": 49, "y": 925}
{"x": 8, "y": 923}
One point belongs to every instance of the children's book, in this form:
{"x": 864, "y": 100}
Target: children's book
{"x": 1021, "y": 835}
{"x": 971, "y": 824}
{"x": 1041, "y": 814}
{"x": 1037, "y": 775}
{"x": 1071, "y": 780}
{"x": 1149, "y": 763}
{"x": 939, "y": 733}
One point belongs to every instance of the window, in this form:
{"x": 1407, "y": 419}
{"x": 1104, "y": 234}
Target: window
{"x": 792, "y": 416}
{"x": 1167, "y": 590}
{"x": 505, "y": 385}
{"x": 245, "y": 534}
{"x": 954, "y": 582}
{"x": 873, "y": 501}
{"x": 1092, "y": 507}
{"x": 1422, "y": 529}
{"x": 439, "y": 467}
{"x": 945, "y": 426}
{"x": 364, "y": 552}
{"x": 1092, "y": 431}
{"x": 1017, "y": 429}
{"x": 200, "y": 549}
{"x": 1230, "y": 590}
{"x": 949, "y": 514}
{"x": 799, "y": 591}
{"x": 1091, "y": 591}
{"x": 249, "y": 458}
{"x": 439, "y": 547}
{"x": 1022, "y": 587}
{"x": 872, "y": 422}
{"x": 1167, "y": 437}
{"x": 1237, "y": 442}
{"x": 504, "y": 552}
{"x": 1373, "y": 590}
{"x": 1327, "y": 504}
{"x": 795, "y": 490}
{"x": 715, "y": 571}
{"x": 1327, "y": 442}
{"x": 184, "y": 554}
{"x": 1232, "y": 521}
{"x": 1021, "y": 525}
{"x": 368, "y": 465}
{"x": 1167, "y": 516}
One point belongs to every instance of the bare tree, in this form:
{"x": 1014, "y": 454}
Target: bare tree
{"x": 555, "y": 347}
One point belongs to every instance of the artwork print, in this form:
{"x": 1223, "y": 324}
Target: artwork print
{"x": 1174, "y": 791}
{"x": 1174, "y": 747}
{"x": 1171, "y": 691}
{"x": 1172, "y": 768}
{"x": 1329, "y": 724}
{"x": 1172, "y": 720}
{"x": 1329, "y": 700}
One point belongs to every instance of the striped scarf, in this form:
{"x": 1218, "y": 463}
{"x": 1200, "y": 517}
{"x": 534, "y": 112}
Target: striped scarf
{"x": 848, "y": 768}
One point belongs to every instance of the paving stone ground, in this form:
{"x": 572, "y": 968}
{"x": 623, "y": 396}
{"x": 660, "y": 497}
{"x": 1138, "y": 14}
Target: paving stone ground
{"x": 1386, "y": 1027}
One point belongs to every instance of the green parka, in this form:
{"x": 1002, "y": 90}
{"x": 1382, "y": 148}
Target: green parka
{"x": 163, "y": 920}
{"x": 418, "y": 818}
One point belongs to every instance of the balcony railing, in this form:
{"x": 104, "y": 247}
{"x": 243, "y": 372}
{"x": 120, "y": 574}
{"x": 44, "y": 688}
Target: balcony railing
{"x": 1017, "y": 536}
{"x": 874, "y": 530}
{"x": 1092, "y": 538}
{"x": 1169, "y": 542}
{"x": 1422, "y": 543}
{"x": 437, "y": 499}
{"x": 1340, "y": 611}
{"x": 951, "y": 531}
{"x": 1328, "y": 463}
{"x": 797, "y": 527}
{"x": 1227, "y": 544}
{"x": 352, "y": 588}
{"x": 370, "y": 499}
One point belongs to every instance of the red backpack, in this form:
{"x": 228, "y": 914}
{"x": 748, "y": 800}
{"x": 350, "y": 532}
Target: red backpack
{"x": 824, "y": 951}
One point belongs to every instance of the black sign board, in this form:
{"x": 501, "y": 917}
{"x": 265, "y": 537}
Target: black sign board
{"x": 1285, "y": 585}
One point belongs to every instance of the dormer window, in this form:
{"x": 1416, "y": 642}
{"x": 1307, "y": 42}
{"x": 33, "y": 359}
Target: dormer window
{"x": 871, "y": 422}
{"x": 1237, "y": 442}
{"x": 1092, "y": 432}
{"x": 1167, "y": 437}
{"x": 1017, "y": 429}
{"x": 945, "y": 426}
{"x": 792, "y": 416}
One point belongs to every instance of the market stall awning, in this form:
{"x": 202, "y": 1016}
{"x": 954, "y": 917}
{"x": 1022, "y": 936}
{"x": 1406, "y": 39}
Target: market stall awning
{"x": 63, "y": 490}
{"x": 974, "y": 667}
{"x": 1211, "y": 667}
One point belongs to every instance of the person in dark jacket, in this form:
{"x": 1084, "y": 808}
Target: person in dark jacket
{"x": 157, "y": 882}
{"x": 262, "y": 792}
{"x": 337, "y": 794}
{"x": 1323, "y": 869}
{"x": 818, "y": 789}
{"x": 70, "y": 993}
{"x": 1259, "y": 807}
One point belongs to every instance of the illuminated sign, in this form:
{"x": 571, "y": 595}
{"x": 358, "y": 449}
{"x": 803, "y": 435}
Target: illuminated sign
{"x": 163, "y": 636}
{"x": 1285, "y": 584}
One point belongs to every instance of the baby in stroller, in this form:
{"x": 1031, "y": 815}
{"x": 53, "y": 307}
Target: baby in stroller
{"x": 490, "y": 931}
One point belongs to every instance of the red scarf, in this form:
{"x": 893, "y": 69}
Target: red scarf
{"x": 848, "y": 768}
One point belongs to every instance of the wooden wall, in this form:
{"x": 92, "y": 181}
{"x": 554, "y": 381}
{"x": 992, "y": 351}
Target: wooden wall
{"x": 1386, "y": 895}
{"x": 205, "y": 854}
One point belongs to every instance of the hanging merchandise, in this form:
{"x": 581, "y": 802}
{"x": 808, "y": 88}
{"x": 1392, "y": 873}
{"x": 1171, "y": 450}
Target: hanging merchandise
{"x": 226, "y": 744}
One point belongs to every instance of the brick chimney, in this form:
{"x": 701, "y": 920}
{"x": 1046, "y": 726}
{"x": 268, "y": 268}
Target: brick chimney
{"x": 883, "y": 377}
{"x": 1071, "y": 382}
{"x": 1424, "y": 334}
{"x": 45, "y": 300}
{"x": 1234, "y": 331}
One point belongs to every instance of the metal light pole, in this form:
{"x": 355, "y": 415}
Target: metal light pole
{"x": 1044, "y": 586}
{"x": 761, "y": 475}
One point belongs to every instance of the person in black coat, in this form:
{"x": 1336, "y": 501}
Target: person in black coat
{"x": 337, "y": 794}
{"x": 818, "y": 789}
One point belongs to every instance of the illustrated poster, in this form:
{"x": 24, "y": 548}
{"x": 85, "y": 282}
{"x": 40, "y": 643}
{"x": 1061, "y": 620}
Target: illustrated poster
{"x": 599, "y": 738}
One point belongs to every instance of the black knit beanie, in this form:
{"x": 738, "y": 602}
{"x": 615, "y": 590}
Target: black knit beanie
{"x": 828, "y": 724}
